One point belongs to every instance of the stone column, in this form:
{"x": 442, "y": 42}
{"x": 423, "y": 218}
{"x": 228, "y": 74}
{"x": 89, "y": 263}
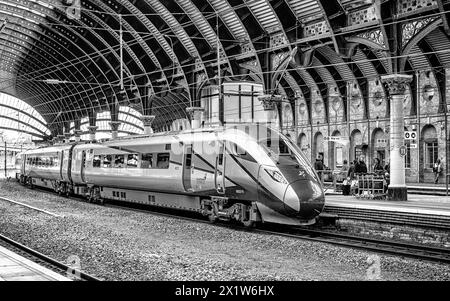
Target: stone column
{"x": 148, "y": 120}
{"x": 114, "y": 129}
{"x": 78, "y": 135}
{"x": 196, "y": 116}
{"x": 397, "y": 84}
{"x": 92, "y": 131}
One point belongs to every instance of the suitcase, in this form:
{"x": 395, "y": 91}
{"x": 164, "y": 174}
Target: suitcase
{"x": 346, "y": 189}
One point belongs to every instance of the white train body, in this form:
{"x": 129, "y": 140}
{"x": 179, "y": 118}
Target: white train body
{"x": 223, "y": 173}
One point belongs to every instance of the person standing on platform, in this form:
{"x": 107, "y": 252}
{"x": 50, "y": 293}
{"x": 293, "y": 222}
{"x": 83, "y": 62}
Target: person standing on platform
{"x": 377, "y": 168}
{"x": 342, "y": 175}
{"x": 318, "y": 166}
{"x": 361, "y": 166}
{"x": 351, "y": 170}
{"x": 437, "y": 169}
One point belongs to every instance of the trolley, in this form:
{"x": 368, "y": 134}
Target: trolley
{"x": 370, "y": 186}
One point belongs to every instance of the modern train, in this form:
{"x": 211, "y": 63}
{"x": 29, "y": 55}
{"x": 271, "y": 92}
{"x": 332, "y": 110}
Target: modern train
{"x": 223, "y": 173}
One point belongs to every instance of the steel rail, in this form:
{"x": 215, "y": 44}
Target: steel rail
{"x": 47, "y": 259}
{"x": 411, "y": 250}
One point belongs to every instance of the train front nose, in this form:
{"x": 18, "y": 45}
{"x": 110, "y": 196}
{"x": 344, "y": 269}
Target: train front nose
{"x": 304, "y": 199}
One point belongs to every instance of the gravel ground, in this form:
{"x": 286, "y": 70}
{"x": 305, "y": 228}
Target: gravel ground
{"x": 119, "y": 244}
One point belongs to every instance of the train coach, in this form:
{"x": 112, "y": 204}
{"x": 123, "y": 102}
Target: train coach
{"x": 223, "y": 173}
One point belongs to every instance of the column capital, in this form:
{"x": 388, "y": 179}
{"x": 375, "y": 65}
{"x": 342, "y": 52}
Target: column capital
{"x": 148, "y": 119}
{"x": 115, "y": 125}
{"x": 269, "y": 101}
{"x": 78, "y": 133}
{"x": 92, "y": 129}
{"x": 396, "y": 83}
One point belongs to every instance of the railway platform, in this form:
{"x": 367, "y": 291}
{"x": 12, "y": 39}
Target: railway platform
{"x": 14, "y": 267}
{"x": 428, "y": 211}
{"x": 425, "y": 204}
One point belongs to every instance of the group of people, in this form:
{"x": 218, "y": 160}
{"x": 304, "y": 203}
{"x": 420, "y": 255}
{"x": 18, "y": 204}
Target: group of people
{"x": 360, "y": 167}
{"x": 348, "y": 172}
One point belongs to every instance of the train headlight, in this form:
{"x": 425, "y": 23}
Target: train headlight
{"x": 276, "y": 175}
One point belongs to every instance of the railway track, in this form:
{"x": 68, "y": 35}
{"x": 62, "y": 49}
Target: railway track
{"x": 44, "y": 260}
{"x": 398, "y": 248}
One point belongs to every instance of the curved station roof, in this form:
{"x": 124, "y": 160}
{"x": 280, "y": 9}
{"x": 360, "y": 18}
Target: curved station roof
{"x": 63, "y": 57}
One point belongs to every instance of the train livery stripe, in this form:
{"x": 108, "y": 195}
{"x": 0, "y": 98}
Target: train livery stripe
{"x": 205, "y": 170}
{"x": 270, "y": 194}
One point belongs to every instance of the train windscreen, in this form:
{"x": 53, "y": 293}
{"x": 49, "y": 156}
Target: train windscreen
{"x": 284, "y": 152}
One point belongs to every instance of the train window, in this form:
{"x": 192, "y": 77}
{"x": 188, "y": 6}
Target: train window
{"x": 132, "y": 160}
{"x": 147, "y": 161}
{"x": 97, "y": 161}
{"x": 162, "y": 160}
{"x": 284, "y": 149}
{"x": 236, "y": 150}
{"x": 55, "y": 161}
{"x": 107, "y": 161}
{"x": 168, "y": 146}
{"x": 119, "y": 161}
{"x": 188, "y": 160}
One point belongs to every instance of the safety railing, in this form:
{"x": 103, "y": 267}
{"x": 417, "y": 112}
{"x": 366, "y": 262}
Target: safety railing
{"x": 332, "y": 179}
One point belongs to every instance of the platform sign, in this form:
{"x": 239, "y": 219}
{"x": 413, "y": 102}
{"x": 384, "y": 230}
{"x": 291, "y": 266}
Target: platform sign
{"x": 410, "y": 135}
{"x": 402, "y": 150}
{"x": 337, "y": 139}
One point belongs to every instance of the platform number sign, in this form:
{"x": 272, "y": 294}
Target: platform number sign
{"x": 402, "y": 150}
{"x": 412, "y": 137}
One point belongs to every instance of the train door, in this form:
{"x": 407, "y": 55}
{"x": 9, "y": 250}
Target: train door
{"x": 23, "y": 164}
{"x": 187, "y": 167}
{"x": 219, "y": 177}
{"x": 83, "y": 165}
{"x": 61, "y": 163}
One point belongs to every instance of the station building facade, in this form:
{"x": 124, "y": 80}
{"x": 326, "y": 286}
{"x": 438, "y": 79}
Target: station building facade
{"x": 366, "y": 132}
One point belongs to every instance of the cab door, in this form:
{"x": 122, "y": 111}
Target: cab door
{"x": 219, "y": 176}
{"x": 188, "y": 168}
{"x": 61, "y": 163}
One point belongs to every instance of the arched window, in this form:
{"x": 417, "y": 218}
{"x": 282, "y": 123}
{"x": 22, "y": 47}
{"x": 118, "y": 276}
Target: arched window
{"x": 430, "y": 145}
{"x": 318, "y": 146}
{"x": 18, "y": 116}
{"x": 129, "y": 118}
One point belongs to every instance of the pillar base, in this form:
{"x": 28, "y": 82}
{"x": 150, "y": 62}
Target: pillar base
{"x": 398, "y": 193}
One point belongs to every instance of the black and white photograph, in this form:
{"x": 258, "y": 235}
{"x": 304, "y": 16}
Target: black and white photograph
{"x": 224, "y": 148}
